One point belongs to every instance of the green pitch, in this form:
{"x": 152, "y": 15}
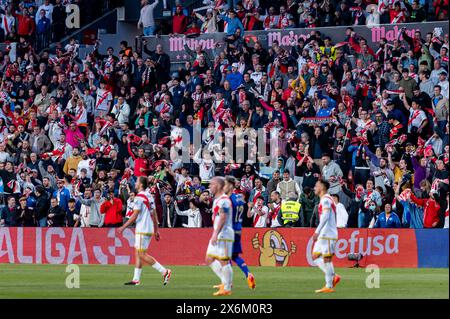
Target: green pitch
{"x": 49, "y": 281}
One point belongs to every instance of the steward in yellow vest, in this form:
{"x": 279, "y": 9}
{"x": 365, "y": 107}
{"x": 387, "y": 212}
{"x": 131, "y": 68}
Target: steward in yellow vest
{"x": 290, "y": 212}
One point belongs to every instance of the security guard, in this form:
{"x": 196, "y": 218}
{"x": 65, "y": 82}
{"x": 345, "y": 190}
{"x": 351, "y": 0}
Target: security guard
{"x": 289, "y": 214}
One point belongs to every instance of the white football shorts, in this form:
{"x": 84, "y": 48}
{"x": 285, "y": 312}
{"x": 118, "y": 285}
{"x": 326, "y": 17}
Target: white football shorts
{"x": 324, "y": 247}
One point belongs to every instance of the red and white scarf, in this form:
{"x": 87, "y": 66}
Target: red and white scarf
{"x": 102, "y": 98}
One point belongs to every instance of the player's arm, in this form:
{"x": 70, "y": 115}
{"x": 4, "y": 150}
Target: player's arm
{"x": 130, "y": 221}
{"x": 220, "y": 223}
{"x": 155, "y": 224}
{"x": 326, "y": 211}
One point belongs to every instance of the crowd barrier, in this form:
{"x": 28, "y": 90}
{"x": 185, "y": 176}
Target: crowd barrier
{"x": 174, "y": 45}
{"x": 262, "y": 247}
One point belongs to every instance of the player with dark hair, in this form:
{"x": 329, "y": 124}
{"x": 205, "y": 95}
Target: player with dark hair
{"x": 325, "y": 237}
{"x": 146, "y": 226}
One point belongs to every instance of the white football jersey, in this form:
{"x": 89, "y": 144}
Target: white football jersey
{"x": 224, "y": 203}
{"x": 146, "y": 206}
{"x": 329, "y": 230}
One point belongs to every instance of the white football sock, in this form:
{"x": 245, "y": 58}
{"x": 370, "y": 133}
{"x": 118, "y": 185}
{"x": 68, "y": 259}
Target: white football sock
{"x": 227, "y": 271}
{"x": 329, "y": 275}
{"x": 158, "y": 267}
{"x": 319, "y": 263}
{"x": 137, "y": 274}
{"x": 217, "y": 268}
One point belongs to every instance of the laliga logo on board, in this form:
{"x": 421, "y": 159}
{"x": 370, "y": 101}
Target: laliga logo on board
{"x": 62, "y": 246}
{"x": 274, "y": 250}
{"x": 367, "y": 246}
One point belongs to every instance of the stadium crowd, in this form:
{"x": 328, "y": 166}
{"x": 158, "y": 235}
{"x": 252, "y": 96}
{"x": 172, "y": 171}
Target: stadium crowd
{"x": 282, "y": 14}
{"x": 372, "y": 121}
{"x": 41, "y": 22}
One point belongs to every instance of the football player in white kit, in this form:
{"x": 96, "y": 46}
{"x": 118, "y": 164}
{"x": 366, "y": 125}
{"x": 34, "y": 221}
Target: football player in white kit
{"x": 146, "y": 227}
{"x": 325, "y": 237}
{"x": 220, "y": 248}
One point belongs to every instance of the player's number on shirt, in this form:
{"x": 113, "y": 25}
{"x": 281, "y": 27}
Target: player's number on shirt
{"x": 239, "y": 212}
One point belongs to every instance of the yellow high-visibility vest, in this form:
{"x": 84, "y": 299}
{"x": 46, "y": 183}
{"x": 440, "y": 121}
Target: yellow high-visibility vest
{"x": 290, "y": 211}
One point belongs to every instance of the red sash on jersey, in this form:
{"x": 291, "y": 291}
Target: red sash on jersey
{"x": 106, "y": 149}
{"x": 348, "y": 102}
{"x": 368, "y": 124}
{"x": 58, "y": 153}
{"x": 399, "y": 18}
{"x": 274, "y": 213}
{"x": 333, "y": 205}
{"x": 219, "y": 109}
{"x": 104, "y": 97}
{"x": 257, "y": 217}
{"x": 283, "y": 21}
{"x": 268, "y": 21}
{"x": 146, "y": 201}
{"x": 165, "y": 109}
{"x": 216, "y": 208}
{"x": 413, "y": 117}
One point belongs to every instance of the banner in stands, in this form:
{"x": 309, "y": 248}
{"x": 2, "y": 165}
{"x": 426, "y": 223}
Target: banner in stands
{"x": 262, "y": 247}
{"x": 174, "y": 45}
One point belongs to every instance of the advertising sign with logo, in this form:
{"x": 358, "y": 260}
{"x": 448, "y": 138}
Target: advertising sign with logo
{"x": 279, "y": 247}
{"x": 174, "y": 45}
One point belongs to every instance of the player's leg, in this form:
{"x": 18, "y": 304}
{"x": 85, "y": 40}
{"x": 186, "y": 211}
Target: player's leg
{"x": 237, "y": 251}
{"x": 224, "y": 250}
{"x": 319, "y": 259}
{"x": 317, "y": 256}
{"x": 240, "y": 262}
{"x": 138, "y": 245}
{"x": 146, "y": 259}
{"x": 329, "y": 271}
{"x": 227, "y": 270}
{"x": 326, "y": 249}
{"x": 214, "y": 264}
{"x": 151, "y": 261}
{"x": 137, "y": 271}
{"x": 335, "y": 278}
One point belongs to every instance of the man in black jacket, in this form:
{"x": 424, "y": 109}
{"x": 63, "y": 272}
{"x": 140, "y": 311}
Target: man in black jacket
{"x": 25, "y": 214}
{"x": 169, "y": 214}
{"x": 42, "y": 206}
{"x": 58, "y": 21}
{"x": 7, "y": 175}
{"x": 161, "y": 61}
{"x": 10, "y": 213}
{"x": 56, "y": 215}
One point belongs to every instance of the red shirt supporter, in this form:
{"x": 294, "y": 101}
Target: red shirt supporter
{"x": 431, "y": 211}
{"x": 140, "y": 166}
{"x": 180, "y": 21}
{"x": 25, "y": 25}
{"x": 113, "y": 211}
{"x": 141, "y": 163}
